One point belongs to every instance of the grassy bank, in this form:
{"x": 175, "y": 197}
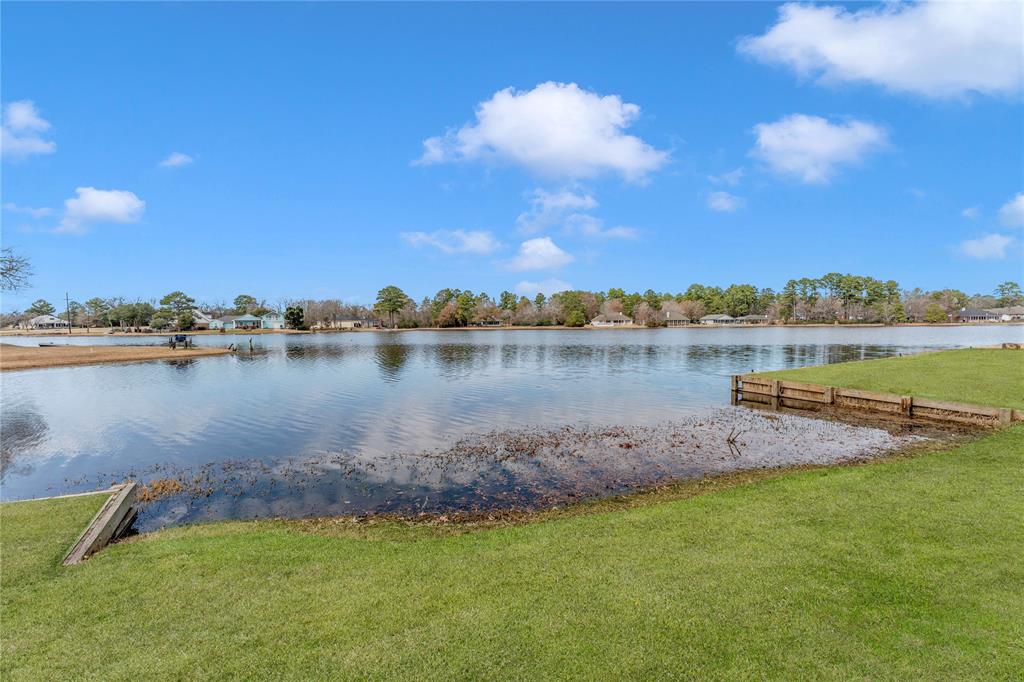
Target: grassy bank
{"x": 908, "y": 568}
{"x": 986, "y": 376}
{"x": 904, "y": 568}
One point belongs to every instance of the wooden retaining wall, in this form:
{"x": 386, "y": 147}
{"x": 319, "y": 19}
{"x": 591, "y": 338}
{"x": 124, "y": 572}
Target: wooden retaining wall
{"x": 111, "y": 521}
{"x": 784, "y": 393}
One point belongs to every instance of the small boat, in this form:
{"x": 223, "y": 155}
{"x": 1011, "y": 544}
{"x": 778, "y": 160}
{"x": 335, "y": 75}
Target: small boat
{"x": 51, "y": 344}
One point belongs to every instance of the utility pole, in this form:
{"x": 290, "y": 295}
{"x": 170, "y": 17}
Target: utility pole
{"x": 67, "y": 309}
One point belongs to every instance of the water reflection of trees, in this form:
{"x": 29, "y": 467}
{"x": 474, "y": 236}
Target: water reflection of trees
{"x": 462, "y": 359}
{"x": 391, "y": 358}
{"x": 22, "y": 427}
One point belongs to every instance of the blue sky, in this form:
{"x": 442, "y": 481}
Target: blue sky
{"x": 326, "y": 150}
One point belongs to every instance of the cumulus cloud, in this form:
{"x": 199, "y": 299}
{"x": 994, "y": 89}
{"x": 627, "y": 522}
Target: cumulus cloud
{"x": 935, "y": 49}
{"x": 725, "y": 202}
{"x": 99, "y": 206}
{"x": 539, "y": 254}
{"x": 21, "y": 133}
{"x": 732, "y": 178}
{"x": 1012, "y": 212}
{"x": 556, "y": 130}
{"x": 477, "y": 242}
{"x": 809, "y": 148}
{"x": 971, "y": 212}
{"x": 546, "y": 287}
{"x": 989, "y": 247}
{"x": 567, "y": 209}
{"x": 176, "y": 160}
{"x": 551, "y": 208}
{"x": 27, "y": 210}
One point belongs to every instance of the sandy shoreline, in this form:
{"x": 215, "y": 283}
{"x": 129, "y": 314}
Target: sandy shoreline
{"x": 34, "y": 357}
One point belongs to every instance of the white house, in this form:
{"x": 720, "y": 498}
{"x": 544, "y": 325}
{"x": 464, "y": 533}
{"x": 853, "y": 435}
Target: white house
{"x": 271, "y": 320}
{"x": 611, "y": 320}
{"x": 44, "y": 322}
{"x": 1009, "y": 314}
{"x": 718, "y": 319}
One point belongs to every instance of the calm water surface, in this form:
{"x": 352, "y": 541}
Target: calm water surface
{"x": 361, "y": 422}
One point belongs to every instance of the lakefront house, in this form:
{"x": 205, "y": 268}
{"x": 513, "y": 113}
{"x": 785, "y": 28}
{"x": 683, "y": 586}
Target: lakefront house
{"x": 718, "y": 319}
{"x": 271, "y": 320}
{"x": 611, "y": 320}
{"x": 674, "y": 319}
{"x": 44, "y": 322}
{"x": 974, "y": 315}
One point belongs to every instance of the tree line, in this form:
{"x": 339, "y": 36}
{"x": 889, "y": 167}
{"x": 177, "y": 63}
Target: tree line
{"x": 833, "y": 297}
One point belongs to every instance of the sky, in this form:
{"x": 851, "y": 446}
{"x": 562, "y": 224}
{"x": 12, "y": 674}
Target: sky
{"x": 325, "y": 150}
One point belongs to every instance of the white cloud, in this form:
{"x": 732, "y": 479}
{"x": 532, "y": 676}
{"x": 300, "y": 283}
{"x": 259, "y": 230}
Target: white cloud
{"x": 21, "y": 131}
{"x": 27, "y": 210}
{"x": 725, "y": 202}
{"x": 732, "y": 178}
{"x": 176, "y": 159}
{"x": 556, "y": 130}
{"x": 546, "y": 287}
{"x": 991, "y": 246}
{"x": 1012, "y": 212}
{"x": 99, "y": 206}
{"x": 810, "y": 148}
{"x": 551, "y": 208}
{"x": 539, "y": 254}
{"x": 566, "y": 208}
{"x": 477, "y": 242}
{"x": 593, "y": 228}
{"x": 971, "y": 212}
{"x": 935, "y": 49}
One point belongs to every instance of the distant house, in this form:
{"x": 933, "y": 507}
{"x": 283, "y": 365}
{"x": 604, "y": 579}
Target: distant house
{"x": 752, "y": 319}
{"x": 44, "y": 322}
{"x": 348, "y": 322}
{"x": 271, "y": 320}
{"x": 201, "y": 320}
{"x": 718, "y": 319}
{"x": 488, "y": 322}
{"x": 1013, "y": 312}
{"x": 674, "y": 319}
{"x": 974, "y": 315}
{"x": 611, "y": 320}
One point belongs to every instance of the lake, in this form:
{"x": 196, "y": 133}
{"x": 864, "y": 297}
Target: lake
{"x": 429, "y": 421}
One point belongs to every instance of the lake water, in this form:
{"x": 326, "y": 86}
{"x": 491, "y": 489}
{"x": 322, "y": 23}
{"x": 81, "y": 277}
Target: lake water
{"x": 428, "y": 421}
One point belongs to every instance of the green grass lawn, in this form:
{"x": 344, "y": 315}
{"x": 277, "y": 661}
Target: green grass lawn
{"x": 978, "y": 376}
{"x": 906, "y": 568}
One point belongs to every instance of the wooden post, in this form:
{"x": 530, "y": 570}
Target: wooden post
{"x": 1005, "y": 416}
{"x": 829, "y": 395}
{"x": 907, "y": 405}
{"x": 776, "y": 391}
{"x": 735, "y": 383}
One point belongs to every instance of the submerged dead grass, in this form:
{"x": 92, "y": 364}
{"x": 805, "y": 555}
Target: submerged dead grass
{"x": 386, "y": 526}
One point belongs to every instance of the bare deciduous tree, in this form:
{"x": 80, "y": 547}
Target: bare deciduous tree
{"x": 15, "y": 270}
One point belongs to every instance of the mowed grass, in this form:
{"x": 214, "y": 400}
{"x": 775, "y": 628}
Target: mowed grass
{"x": 909, "y": 568}
{"x": 988, "y": 376}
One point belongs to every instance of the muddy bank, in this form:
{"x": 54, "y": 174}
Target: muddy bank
{"x": 35, "y": 357}
{"x": 512, "y": 471}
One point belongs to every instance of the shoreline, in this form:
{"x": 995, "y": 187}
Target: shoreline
{"x": 104, "y": 332}
{"x": 17, "y": 358}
